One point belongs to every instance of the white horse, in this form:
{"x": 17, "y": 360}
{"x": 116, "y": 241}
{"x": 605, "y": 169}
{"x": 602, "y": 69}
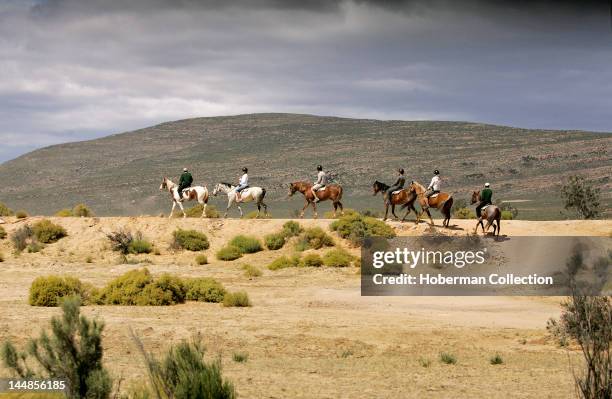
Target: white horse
{"x": 256, "y": 194}
{"x": 198, "y": 193}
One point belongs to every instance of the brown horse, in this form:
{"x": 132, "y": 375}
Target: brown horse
{"x": 403, "y": 197}
{"x": 331, "y": 192}
{"x": 491, "y": 212}
{"x": 441, "y": 201}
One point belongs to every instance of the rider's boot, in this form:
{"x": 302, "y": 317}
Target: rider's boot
{"x": 316, "y": 199}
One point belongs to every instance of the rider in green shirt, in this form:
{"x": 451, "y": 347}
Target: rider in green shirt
{"x": 184, "y": 182}
{"x": 486, "y": 197}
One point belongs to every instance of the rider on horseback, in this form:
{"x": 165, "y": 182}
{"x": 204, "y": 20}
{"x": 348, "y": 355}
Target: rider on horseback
{"x": 184, "y": 182}
{"x": 486, "y": 195}
{"x": 320, "y": 183}
{"x": 242, "y": 184}
{"x": 434, "y": 186}
{"x": 398, "y": 185}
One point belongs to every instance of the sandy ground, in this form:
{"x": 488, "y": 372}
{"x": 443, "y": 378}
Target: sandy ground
{"x": 309, "y": 333}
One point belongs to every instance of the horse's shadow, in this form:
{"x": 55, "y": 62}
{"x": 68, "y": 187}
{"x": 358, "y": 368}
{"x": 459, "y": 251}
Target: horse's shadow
{"x": 499, "y": 238}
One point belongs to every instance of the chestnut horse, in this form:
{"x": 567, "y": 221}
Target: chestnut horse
{"x": 441, "y": 201}
{"x": 491, "y": 212}
{"x": 400, "y": 198}
{"x": 331, "y": 192}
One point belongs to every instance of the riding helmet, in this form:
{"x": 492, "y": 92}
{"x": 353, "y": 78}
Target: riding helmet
{"x": 436, "y": 172}
{"x": 487, "y": 184}
{"x": 245, "y": 170}
{"x": 319, "y": 167}
{"x": 184, "y": 169}
{"x": 401, "y": 171}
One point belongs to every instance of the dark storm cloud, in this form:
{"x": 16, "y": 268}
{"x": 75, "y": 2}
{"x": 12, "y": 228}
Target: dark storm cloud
{"x": 73, "y": 69}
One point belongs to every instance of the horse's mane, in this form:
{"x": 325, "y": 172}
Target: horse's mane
{"x": 226, "y": 184}
{"x": 419, "y": 186}
{"x": 381, "y": 184}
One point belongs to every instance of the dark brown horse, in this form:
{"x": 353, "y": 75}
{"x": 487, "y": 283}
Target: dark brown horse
{"x": 331, "y": 192}
{"x": 403, "y": 197}
{"x": 442, "y": 202}
{"x": 491, "y": 212}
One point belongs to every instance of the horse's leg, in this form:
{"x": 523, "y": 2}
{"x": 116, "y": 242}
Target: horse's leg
{"x": 182, "y": 210}
{"x": 304, "y": 209}
{"x": 386, "y": 211}
{"x": 314, "y": 209}
{"x": 335, "y": 205}
{"x": 240, "y": 209}
{"x": 429, "y": 214}
{"x": 498, "y": 224}
{"x": 229, "y": 205}
{"x": 393, "y": 211}
{"x": 172, "y": 211}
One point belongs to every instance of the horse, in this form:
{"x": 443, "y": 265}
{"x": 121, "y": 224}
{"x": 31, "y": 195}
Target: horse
{"x": 247, "y": 195}
{"x": 400, "y": 197}
{"x": 490, "y": 212}
{"x": 441, "y": 201}
{"x": 331, "y": 192}
{"x": 198, "y": 193}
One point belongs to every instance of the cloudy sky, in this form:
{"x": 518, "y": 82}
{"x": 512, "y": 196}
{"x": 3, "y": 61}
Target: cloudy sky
{"x": 78, "y": 69}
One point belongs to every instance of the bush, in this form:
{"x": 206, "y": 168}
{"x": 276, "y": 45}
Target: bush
{"x": 355, "y": 228}
{"x": 274, "y": 241}
{"x": 464, "y": 213}
{"x": 291, "y": 229}
{"x": 121, "y": 241}
{"x": 509, "y": 208}
{"x": 448, "y": 358}
{"x": 338, "y": 258}
{"x": 251, "y": 271}
{"x": 506, "y": 215}
{"x": 47, "y": 232}
{"x": 240, "y": 357}
{"x": 204, "y": 289}
{"x": 73, "y": 350}
{"x": 50, "y": 290}
{"x": 237, "y": 299}
{"x": 5, "y": 210}
{"x": 229, "y": 252}
{"x": 284, "y": 262}
{"x": 311, "y": 260}
{"x": 81, "y": 210}
{"x": 21, "y": 214}
{"x": 138, "y": 287}
{"x": 246, "y": 244}
{"x": 183, "y": 373}
{"x": 201, "y": 259}
{"x": 496, "y": 359}
{"x": 2, "y": 233}
{"x": 64, "y": 213}
{"x": 190, "y": 240}
{"x": 316, "y": 238}
{"x": 140, "y": 246}
{"x": 35, "y": 247}
{"x": 196, "y": 212}
{"x": 22, "y": 237}
{"x": 581, "y": 196}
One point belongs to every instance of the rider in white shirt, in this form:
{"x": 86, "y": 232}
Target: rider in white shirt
{"x": 434, "y": 186}
{"x": 242, "y": 184}
{"x": 320, "y": 183}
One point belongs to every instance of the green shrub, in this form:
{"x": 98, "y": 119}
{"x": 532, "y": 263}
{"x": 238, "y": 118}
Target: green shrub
{"x": 72, "y": 350}
{"x": 464, "y": 213}
{"x": 291, "y": 229}
{"x": 81, "y": 210}
{"x": 251, "y": 271}
{"x": 506, "y": 215}
{"x": 2, "y": 233}
{"x": 240, "y": 357}
{"x": 190, "y": 240}
{"x": 121, "y": 240}
{"x": 64, "y": 213}
{"x": 338, "y": 258}
{"x": 284, "y": 262}
{"x": 424, "y": 362}
{"x": 47, "y": 232}
{"x": 204, "y": 289}
{"x": 183, "y": 373}
{"x": 496, "y": 359}
{"x": 5, "y": 210}
{"x": 448, "y": 358}
{"x": 21, "y": 214}
{"x": 582, "y": 196}
{"x": 246, "y": 244}
{"x": 35, "y": 247}
{"x": 138, "y": 287}
{"x": 229, "y": 252}
{"x": 316, "y": 238}
{"x": 196, "y": 212}
{"x": 237, "y": 299}
{"x": 22, "y": 237}
{"x": 201, "y": 259}
{"x": 50, "y": 290}
{"x": 140, "y": 246}
{"x": 356, "y": 227}
{"x": 311, "y": 260}
{"x": 274, "y": 241}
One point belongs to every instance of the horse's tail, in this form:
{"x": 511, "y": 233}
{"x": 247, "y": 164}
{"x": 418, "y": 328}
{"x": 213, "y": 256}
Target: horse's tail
{"x": 339, "y": 193}
{"x": 263, "y": 194}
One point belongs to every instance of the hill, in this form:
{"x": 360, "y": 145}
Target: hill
{"x": 120, "y": 174}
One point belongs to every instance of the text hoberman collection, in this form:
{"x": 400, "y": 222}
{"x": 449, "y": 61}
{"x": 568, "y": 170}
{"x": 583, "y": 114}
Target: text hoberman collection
{"x": 438, "y": 279}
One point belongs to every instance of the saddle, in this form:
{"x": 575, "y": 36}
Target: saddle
{"x": 434, "y": 195}
{"x": 321, "y": 189}
{"x": 396, "y": 191}
{"x": 485, "y": 207}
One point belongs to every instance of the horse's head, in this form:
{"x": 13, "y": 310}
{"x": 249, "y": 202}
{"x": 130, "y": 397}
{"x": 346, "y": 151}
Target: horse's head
{"x": 475, "y": 197}
{"x": 412, "y": 187}
{"x": 293, "y": 187}
{"x": 376, "y": 187}
{"x": 163, "y": 185}
{"x": 216, "y": 190}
